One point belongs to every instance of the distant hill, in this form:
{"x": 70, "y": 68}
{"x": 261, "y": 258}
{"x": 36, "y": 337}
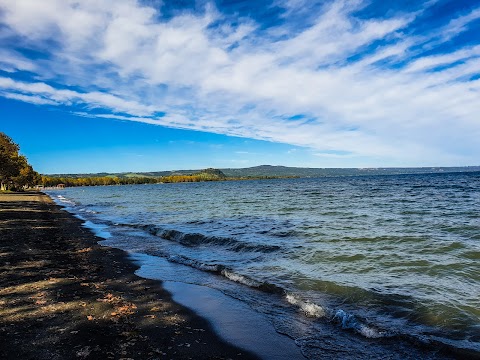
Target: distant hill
{"x": 213, "y": 173}
{"x": 269, "y": 170}
{"x": 284, "y": 171}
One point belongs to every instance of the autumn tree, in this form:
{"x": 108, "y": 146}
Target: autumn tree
{"x": 15, "y": 171}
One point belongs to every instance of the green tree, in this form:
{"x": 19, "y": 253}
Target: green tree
{"x": 15, "y": 171}
{"x": 27, "y": 177}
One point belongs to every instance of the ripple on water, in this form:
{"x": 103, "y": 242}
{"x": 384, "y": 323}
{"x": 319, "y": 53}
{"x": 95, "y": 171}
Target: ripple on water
{"x": 399, "y": 248}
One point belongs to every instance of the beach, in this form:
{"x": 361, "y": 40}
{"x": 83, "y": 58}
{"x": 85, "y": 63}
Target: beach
{"x": 63, "y": 296}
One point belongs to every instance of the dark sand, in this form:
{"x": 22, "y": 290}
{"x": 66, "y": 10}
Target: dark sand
{"x": 63, "y": 296}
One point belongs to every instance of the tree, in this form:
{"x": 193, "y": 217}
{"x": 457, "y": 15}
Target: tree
{"x": 8, "y": 145}
{"x": 27, "y": 177}
{"x": 15, "y": 171}
{"x": 9, "y": 161}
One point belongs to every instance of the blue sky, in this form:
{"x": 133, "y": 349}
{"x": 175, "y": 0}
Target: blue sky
{"x": 90, "y": 86}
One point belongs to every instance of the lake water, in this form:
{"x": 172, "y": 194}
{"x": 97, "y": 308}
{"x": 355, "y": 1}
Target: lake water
{"x": 359, "y": 259}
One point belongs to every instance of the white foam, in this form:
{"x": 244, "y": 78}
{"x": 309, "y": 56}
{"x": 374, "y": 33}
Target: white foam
{"x": 240, "y": 278}
{"x": 63, "y": 199}
{"x": 308, "y": 308}
{"x": 348, "y": 321}
{"x": 370, "y": 332}
{"x": 87, "y": 211}
{"x": 195, "y": 264}
{"x": 98, "y": 229}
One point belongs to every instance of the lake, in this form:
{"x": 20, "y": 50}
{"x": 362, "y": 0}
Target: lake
{"x": 373, "y": 257}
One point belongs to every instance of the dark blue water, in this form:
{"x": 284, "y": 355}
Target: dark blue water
{"x": 374, "y": 256}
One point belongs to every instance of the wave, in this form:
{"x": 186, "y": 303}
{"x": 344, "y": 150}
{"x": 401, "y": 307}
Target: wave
{"x": 340, "y": 317}
{"x": 222, "y": 270}
{"x": 347, "y": 321}
{"x": 241, "y": 279}
{"x": 64, "y": 200}
{"x": 98, "y": 229}
{"x": 88, "y": 211}
{"x": 69, "y": 203}
{"x": 213, "y": 268}
{"x": 283, "y": 234}
{"x": 197, "y": 239}
{"x": 350, "y": 321}
{"x": 308, "y": 308}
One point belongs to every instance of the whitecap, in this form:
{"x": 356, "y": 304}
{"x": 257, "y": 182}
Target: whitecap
{"x": 308, "y": 308}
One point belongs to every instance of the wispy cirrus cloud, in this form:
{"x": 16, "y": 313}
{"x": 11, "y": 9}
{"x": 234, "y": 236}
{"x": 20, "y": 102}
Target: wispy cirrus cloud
{"x": 343, "y": 83}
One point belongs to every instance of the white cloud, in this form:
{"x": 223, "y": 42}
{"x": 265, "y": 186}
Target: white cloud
{"x": 459, "y": 25}
{"x": 237, "y": 80}
{"x": 51, "y": 95}
{"x": 37, "y": 100}
{"x": 430, "y": 62}
{"x": 10, "y": 61}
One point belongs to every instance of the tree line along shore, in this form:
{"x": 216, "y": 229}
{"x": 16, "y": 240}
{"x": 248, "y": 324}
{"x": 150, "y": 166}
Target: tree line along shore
{"x": 16, "y": 174}
{"x": 203, "y": 175}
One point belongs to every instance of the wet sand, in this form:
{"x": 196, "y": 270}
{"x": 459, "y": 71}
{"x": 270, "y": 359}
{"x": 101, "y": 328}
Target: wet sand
{"x": 63, "y": 296}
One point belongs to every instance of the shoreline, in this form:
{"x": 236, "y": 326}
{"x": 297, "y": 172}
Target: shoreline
{"x": 64, "y": 296}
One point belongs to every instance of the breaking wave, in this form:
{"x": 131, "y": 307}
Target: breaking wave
{"x": 222, "y": 270}
{"x": 197, "y": 239}
{"x": 63, "y": 200}
{"x": 349, "y": 321}
{"x": 308, "y": 308}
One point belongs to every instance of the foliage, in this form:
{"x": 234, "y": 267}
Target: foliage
{"x": 204, "y": 175}
{"x": 49, "y": 181}
{"x": 15, "y": 171}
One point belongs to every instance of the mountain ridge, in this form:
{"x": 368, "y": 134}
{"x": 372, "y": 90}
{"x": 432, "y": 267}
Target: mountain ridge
{"x": 286, "y": 171}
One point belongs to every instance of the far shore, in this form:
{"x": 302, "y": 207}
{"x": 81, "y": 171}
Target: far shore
{"x": 63, "y": 296}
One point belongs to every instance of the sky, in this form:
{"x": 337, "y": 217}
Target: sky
{"x": 131, "y": 85}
